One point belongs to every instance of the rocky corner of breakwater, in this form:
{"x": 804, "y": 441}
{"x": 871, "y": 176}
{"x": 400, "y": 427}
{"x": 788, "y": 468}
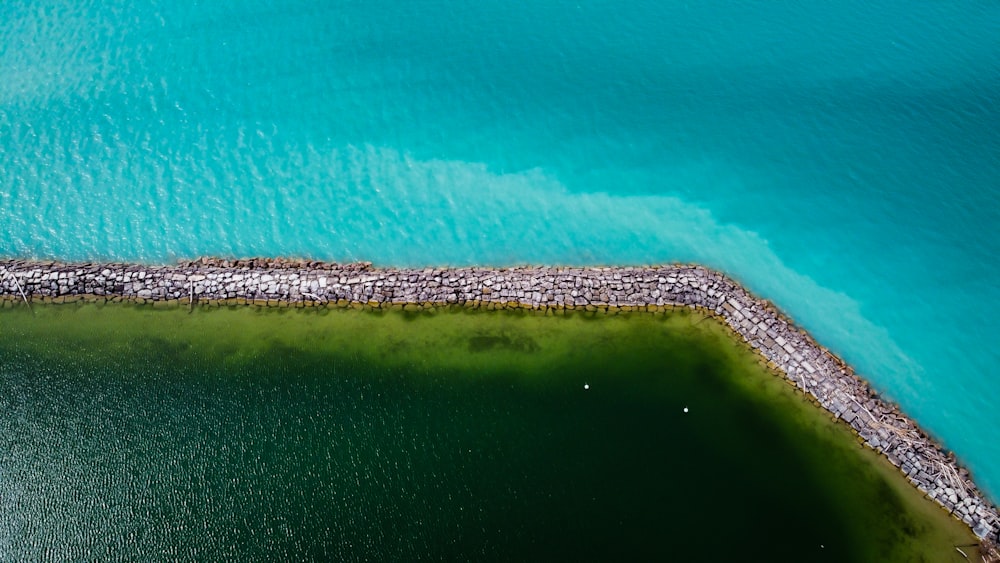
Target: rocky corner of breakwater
{"x": 552, "y": 290}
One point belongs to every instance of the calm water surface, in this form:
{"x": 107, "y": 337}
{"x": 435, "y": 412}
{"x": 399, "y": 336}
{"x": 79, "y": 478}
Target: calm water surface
{"x": 245, "y": 435}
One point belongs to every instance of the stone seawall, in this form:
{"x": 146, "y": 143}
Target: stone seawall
{"x": 281, "y": 283}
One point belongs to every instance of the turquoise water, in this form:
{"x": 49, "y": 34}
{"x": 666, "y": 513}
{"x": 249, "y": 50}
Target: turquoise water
{"x": 841, "y": 159}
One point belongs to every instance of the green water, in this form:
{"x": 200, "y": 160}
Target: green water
{"x": 250, "y": 434}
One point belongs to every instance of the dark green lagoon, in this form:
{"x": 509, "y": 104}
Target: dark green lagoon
{"x": 250, "y": 434}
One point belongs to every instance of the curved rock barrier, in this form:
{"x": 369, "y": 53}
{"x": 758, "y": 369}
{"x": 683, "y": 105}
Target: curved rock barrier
{"x": 288, "y": 283}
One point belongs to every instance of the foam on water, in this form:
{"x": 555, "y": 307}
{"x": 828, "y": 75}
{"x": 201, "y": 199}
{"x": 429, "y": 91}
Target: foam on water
{"x": 840, "y": 160}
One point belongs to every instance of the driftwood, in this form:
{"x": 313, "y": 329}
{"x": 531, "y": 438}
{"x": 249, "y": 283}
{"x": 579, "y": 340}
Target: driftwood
{"x": 13, "y": 278}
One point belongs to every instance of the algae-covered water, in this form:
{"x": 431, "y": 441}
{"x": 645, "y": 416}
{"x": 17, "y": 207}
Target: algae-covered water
{"x": 253, "y": 434}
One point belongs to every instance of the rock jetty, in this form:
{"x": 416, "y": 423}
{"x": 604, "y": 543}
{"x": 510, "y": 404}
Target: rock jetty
{"x": 288, "y": 283}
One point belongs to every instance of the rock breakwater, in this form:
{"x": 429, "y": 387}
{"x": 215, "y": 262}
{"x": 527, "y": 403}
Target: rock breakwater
{"x": 549, "y": 290}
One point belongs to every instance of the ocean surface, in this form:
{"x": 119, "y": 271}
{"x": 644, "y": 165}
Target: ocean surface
{"x": 841, "y": 159}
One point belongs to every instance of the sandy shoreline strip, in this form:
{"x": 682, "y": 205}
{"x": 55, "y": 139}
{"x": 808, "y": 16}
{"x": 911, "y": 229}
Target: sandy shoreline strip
{"x": 549, "y": 290}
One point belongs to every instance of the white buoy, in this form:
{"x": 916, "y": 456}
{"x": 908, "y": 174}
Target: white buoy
{"x": 586, "y": 386}
{"x": 685, "y": 409}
